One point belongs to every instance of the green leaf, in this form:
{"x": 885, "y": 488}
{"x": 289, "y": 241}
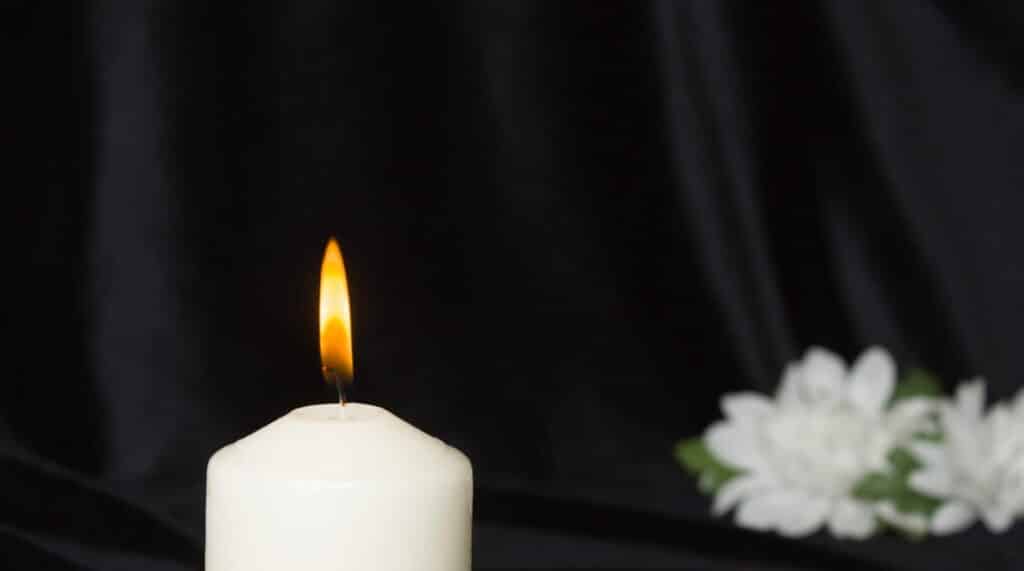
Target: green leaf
{"x": 877, "y": 486}
{"x": 917, "y": 383}
{"x": 693, "y": 455}
{"x": 902, "y": 462}
{"x": 911, "y": 501}
{"x": 893, "y": 485}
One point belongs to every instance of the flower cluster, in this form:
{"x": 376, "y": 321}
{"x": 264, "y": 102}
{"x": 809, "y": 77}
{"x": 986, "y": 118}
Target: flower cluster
{"x": 851, "y": 450}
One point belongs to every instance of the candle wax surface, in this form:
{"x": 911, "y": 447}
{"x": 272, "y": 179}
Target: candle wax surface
{"x": 327, "y": 487}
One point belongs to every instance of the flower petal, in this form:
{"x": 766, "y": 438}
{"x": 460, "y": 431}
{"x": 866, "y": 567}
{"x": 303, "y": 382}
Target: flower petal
{"x": 1018, "y": 403}
{"x": 952, "y": 517}
{"x": 935, "y": 480}
{"x": 851, "y": 519}
{"x": 768, "y": 511}
{"x": 997, "y": 518}
{"x": 738, "y": 489}
{"x": 915, "y": 524}
{"x": 910, "y": 416}
{"x": 805, "y": 517}
{"x": 970, "y": 398}
{"x": 1003, "y": 431}
{"x": 823, "y": 376}
{"x": 929, "y": 454}
{"x": 788, "y": 393}
{"x": 963, "y": 435}
{"x": 736, "y": 445}
{"x": 746, "y": 406}
{"x": 1013, "y": 486}
{"x": 871, "y": 380}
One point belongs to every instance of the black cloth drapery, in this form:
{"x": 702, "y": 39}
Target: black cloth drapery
{"x": 569, "y": 229}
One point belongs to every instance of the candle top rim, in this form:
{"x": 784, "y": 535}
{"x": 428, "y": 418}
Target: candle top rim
{"x": 317, "y": 444}
{"x": 333, "y": 412}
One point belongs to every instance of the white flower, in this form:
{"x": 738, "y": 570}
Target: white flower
{"x": 914, "y": 524}
{"x": 978, "y": 468}
{"x": 802, "y": 453}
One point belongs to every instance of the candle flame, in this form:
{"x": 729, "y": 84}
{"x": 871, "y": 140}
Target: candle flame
{"x": 335, "y": 317}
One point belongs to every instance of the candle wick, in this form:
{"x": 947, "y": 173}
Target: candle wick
{"x": 341, "y": 389}
{"x": 332, "y": 376}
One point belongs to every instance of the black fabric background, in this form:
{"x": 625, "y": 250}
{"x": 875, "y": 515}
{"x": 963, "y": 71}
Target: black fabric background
{"x": 569, "y": 228}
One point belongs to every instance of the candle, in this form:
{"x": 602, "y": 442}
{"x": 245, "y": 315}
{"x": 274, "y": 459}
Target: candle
{"x": 344, "y": 486}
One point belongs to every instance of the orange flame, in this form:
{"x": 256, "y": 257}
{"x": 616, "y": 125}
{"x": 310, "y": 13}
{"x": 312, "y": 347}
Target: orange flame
{"x": 335, "y": 317}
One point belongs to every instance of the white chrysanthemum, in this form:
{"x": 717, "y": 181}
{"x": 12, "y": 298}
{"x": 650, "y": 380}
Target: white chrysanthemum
{"x": 978, "y": 468}
{"x": 802, "y": 453}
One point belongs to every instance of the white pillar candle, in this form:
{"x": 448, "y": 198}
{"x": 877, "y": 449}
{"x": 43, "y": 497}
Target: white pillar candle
{"x": 338, "y": 488}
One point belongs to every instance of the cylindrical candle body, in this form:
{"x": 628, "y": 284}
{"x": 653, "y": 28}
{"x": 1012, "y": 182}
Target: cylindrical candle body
{"x": 327, "y": 488}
